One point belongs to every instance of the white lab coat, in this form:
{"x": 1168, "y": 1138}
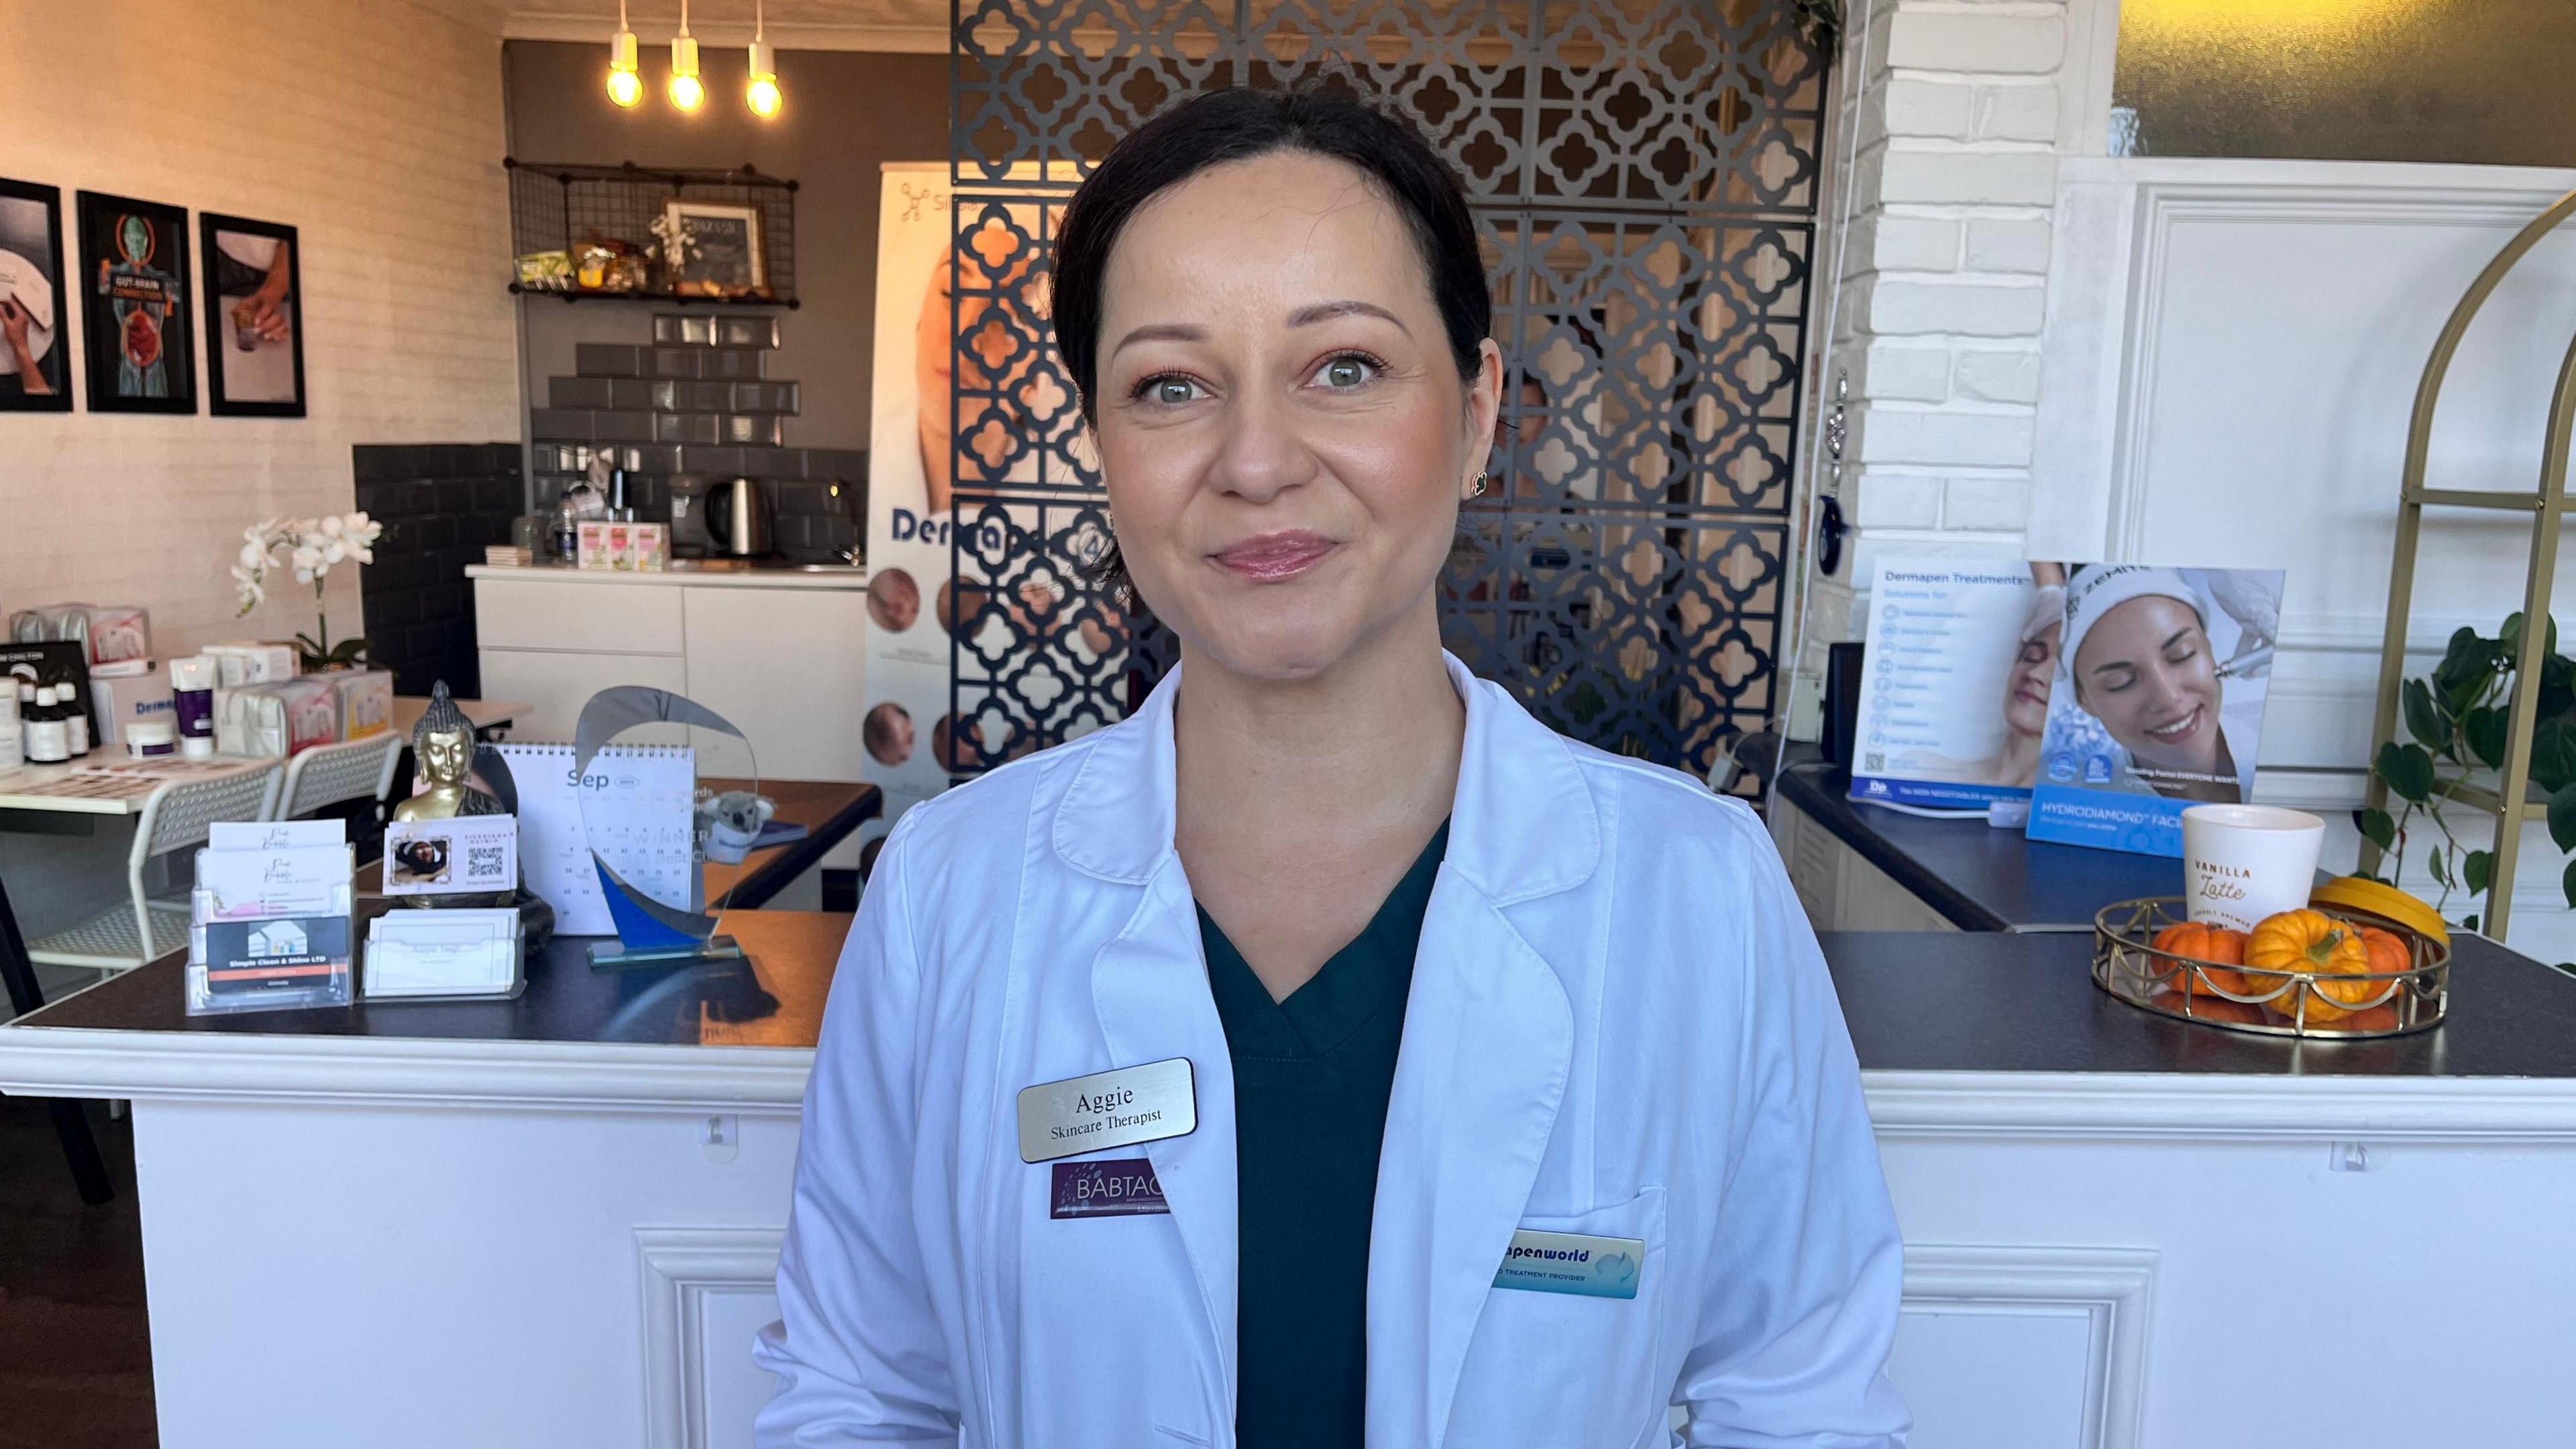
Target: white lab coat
{"x": 1619, "y": 1026}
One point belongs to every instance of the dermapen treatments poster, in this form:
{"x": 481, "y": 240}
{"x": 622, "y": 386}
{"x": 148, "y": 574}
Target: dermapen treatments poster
{"x": 2157, "y": 704}
{"x": 909, "y": 493}
{"x": 913, "y": 745}
{"x": 1955, "y": 681}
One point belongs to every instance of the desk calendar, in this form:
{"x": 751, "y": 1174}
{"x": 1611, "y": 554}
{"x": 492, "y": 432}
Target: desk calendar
{"x": 639, "y": 815}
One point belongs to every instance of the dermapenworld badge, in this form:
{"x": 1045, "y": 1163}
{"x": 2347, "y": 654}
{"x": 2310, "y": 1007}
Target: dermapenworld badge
{"x": 1108, "y": 1109}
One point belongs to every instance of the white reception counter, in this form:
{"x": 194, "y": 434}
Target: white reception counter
{"x": 553, "y": 1222}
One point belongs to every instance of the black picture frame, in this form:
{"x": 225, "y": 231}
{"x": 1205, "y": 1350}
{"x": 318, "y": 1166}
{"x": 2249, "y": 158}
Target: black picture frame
{"x": 31, "y": 231}
{"x": 232, "y": 282}
{"x": 151, "y": 296}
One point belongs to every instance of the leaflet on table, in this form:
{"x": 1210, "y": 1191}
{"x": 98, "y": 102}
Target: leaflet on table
{"x": 1955, "y": 681}
{"x": 2157, "y": 702}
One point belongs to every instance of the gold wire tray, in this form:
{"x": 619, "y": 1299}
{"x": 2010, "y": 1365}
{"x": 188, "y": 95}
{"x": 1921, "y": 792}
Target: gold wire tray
{"x": 2128, "y": 964}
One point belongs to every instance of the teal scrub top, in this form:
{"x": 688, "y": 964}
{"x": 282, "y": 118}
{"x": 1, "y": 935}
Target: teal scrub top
{"x": 1312, "y": 1075}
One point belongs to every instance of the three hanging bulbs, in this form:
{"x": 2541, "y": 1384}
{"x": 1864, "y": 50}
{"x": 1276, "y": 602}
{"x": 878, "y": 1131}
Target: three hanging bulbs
{"x": 687, "y": 91}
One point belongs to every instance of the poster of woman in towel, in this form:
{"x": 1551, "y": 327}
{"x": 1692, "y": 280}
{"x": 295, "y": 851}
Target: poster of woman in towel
{"x": 2161, "y": 679}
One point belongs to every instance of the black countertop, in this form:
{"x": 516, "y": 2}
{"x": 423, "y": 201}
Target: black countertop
{"x": 1978, "y": 877}
{"x": 1915, "y": 1001}
{"x": 774, "y": 998}
{"x": 1942, "y": 1001}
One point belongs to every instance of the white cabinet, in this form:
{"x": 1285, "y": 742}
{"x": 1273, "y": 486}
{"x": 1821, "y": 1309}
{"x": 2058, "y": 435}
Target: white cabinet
{"x": 560, "y": 684}
{"x": 783, "y": 663}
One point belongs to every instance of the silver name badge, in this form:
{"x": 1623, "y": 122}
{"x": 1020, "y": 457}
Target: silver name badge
{"x": 1108, "y": 1109}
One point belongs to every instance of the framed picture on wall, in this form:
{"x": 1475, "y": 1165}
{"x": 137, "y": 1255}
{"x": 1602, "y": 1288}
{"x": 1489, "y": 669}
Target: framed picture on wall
{"x": 722, "y": 254}
{"x": 140, "y": 343}
{"x": 254, "y": 317}
{"x": 34, "y": 378}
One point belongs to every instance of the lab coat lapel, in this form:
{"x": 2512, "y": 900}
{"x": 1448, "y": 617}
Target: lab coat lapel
{"x": 1149, "y": 986}
{"x": 1488, "y": 1045}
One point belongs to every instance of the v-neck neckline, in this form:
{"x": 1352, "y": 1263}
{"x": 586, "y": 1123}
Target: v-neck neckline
{"x": 1351, "y": 989}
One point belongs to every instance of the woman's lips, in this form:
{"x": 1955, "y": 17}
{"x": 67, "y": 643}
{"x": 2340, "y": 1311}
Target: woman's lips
{"x": 1274, "y": 557}
{"x": 2179, "y": 730}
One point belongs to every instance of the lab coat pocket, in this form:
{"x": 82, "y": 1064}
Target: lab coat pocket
{"x": 1565, "y": 1370}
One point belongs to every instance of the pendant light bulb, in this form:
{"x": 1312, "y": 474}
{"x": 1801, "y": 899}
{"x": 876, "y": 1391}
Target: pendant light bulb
{"x": 687, "y": 91}
{"x": 625, "y": 87}
{"x": 763, "y": 95}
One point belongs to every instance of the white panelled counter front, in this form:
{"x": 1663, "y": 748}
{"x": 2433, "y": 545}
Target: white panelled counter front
{"x": 553, "y": 1222}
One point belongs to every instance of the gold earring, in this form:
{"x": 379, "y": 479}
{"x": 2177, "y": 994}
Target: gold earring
{"x": 1477, "y": 488}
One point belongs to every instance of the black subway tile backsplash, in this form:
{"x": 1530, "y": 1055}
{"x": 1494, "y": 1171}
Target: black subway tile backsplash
{"x": 606, "y": 359}
{"x": 442, "y": 503}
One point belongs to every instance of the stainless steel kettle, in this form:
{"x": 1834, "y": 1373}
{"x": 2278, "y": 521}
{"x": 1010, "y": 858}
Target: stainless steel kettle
{"x": 737, "y": 518}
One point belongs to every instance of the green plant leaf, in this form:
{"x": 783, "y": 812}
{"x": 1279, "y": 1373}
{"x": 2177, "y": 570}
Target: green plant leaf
{"x": 2482, "y": 729}
{"x": 2407, "y": 769}
{"x": 2377, "y": 826}
{"x": 2438, "y": 861}
{"x": 2562, "y": 817}
{"x": 2553, "y": 754}
{"x": 2425, "y": 720}
{"x": 2567, "y": 883}
{"x": 2477, "y": 871}
{"x": 2468, "y": 923}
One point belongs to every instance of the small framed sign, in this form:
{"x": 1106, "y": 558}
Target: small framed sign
{"x": 34, "y": 335}
{"x": 137, "y": 317}
{"x": 722, "y": 254}
{"x": 254, "y": 318}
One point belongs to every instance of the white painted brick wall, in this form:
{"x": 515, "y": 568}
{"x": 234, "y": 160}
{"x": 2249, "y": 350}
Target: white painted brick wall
{"x": 376, "y": 129}
{"x": 1951, "y": 187}
{"x": 1944, "y": 271}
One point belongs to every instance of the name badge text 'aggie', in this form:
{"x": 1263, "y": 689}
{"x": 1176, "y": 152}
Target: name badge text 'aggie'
{"x": 1572, "y": 1263}
{"x": 1108, "y": 1109}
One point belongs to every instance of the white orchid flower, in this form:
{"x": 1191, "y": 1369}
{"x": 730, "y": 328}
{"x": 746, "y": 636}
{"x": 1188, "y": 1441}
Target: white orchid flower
{"x": 333, "y": 551}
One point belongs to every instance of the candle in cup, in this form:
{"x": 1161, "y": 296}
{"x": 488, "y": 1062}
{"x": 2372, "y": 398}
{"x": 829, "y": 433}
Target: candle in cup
{"x": 2241, "y": 863}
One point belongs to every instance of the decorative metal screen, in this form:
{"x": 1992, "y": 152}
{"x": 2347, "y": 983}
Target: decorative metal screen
{"x": 1645, "y": 175}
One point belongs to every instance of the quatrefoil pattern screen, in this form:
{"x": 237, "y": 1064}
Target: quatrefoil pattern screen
{"x": 1645, "y": 174}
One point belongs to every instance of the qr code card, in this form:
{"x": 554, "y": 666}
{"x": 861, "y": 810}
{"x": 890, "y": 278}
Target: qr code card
{"x": 448, "y": 857}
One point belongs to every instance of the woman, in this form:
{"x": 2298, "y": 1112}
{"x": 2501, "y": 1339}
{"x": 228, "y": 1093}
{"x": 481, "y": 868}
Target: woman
{"x": 2139, "y": 655}
{"x": 1327, "y": 1054}
{"x": 2034, "y": 668}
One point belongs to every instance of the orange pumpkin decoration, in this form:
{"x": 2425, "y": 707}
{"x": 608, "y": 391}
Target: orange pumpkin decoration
{"x": 2199, "y": 942}
{"x": 2311, "y": 941}
{"x": 2389, "y": 953}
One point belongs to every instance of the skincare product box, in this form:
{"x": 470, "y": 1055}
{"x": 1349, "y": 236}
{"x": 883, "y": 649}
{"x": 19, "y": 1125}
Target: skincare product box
{"x": 273, "y": 721}
{"x": 253, "y": 662}
{"x": 366, "y": 702}
{"x": 111, "y": 634}
{"x": 121, "y": 700}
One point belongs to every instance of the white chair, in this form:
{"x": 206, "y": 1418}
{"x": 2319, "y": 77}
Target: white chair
{"x": 329, "y": 774}
{"x": 175, "y": 817}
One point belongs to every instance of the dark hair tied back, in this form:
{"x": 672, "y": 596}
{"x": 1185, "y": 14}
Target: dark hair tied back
{"x": 1238, "y": 125}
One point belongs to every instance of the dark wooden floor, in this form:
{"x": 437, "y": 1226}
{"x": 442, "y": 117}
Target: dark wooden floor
{"x": 75, "y": 1348}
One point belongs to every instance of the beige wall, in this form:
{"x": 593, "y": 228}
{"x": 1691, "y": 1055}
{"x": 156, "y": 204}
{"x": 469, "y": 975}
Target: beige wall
{"x": 846, "y": 112}
{"x": 374, "y": 126}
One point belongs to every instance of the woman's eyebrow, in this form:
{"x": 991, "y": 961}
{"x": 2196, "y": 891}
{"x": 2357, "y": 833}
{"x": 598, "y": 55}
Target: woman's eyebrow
{"x": 2178, "y": 636}
{"x": 1327, "y": 311}
{"x": 1161, "y": 332}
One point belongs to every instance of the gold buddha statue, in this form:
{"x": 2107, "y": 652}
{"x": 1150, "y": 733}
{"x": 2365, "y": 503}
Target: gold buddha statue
{"x": 442, "y": 746}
